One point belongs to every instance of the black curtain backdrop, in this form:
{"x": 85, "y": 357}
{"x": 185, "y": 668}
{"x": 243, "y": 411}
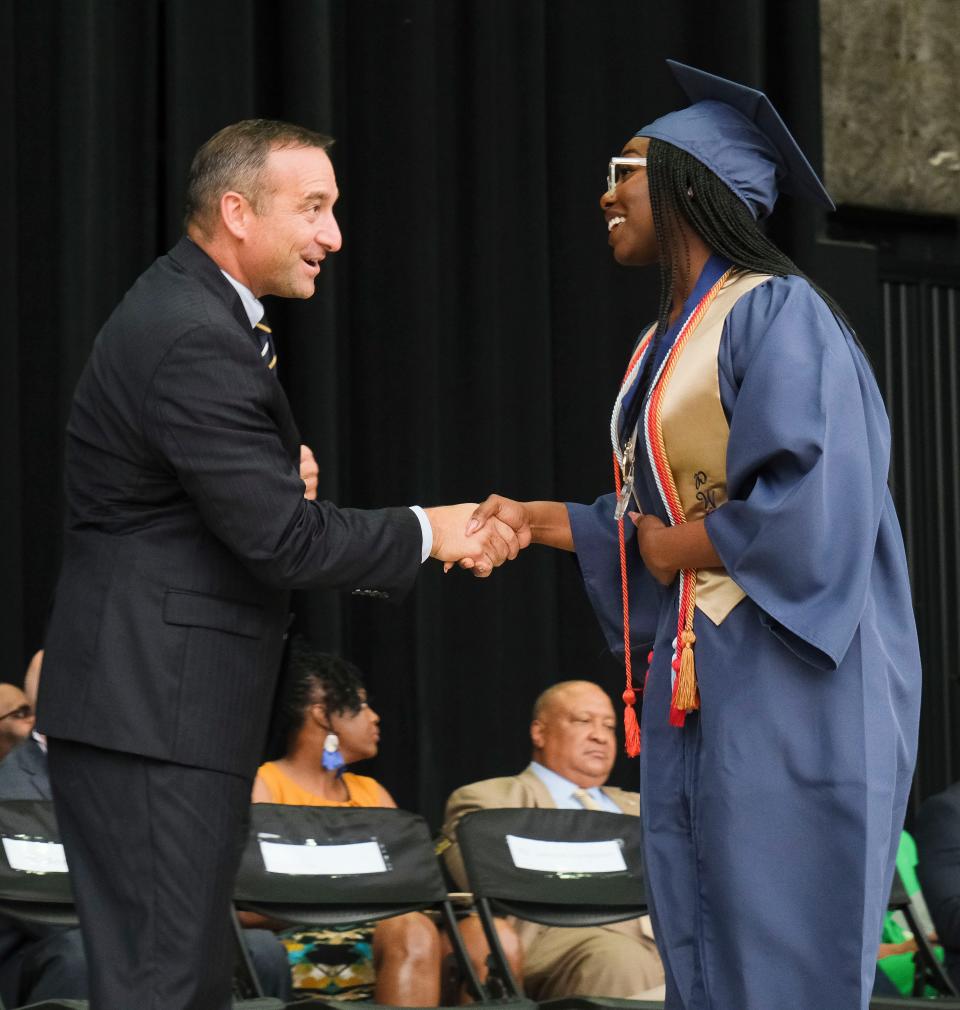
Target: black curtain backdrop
{"x": 469, "y": 337}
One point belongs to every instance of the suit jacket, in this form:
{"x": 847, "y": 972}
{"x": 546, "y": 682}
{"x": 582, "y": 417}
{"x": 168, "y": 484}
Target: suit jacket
{"x": 186, "y": 529}
{"x": 523, "y": 790}
{"x": 24, "y": 774}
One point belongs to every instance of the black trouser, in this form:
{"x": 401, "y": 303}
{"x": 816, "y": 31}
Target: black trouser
{"x": 153, "y": 850}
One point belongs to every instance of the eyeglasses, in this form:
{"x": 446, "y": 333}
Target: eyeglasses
{"x": 620, "y": 168}
{"x": 23, "y": 712}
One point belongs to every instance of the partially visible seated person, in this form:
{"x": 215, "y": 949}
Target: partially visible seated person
{"x": 574, "y": 738}
{"x": 936, "y": 831}
{"x": 40, "y": 962}
{"x": 16, "y": 718}
{"x": 895, "y": 962}
{"x": 329, "y": 725}
{"x": 23, "y": 773}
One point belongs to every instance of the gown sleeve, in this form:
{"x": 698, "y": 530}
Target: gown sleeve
{"x": 596, "y": 541}
{"x": 807, "y": 466}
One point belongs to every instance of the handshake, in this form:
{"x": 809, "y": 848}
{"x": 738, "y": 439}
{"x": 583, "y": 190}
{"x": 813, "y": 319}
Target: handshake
{"x": 475, "y": 537}
{"x": 479, "y": 537}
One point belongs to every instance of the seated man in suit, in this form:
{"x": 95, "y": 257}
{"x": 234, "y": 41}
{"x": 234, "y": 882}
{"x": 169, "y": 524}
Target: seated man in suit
{"x": 16, "y": 718}
{"x": 574, "y": 747}
{"x": 23, "y": 773}
{"x": 45, "y": 962}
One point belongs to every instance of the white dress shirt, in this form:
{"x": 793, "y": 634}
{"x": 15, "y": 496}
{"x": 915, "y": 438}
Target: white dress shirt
{"x": 562, "y": 790}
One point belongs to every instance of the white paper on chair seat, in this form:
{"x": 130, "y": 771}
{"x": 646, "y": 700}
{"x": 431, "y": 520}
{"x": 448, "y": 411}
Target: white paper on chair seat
{"x": 322, "y": 860}
{"x": 566, "y": 857}
{"x": 35, "y": 857}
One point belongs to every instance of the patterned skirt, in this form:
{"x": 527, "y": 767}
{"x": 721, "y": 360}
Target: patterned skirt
{"x": 335, "y": 961}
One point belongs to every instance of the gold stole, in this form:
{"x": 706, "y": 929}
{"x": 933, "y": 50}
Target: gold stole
{"x": 696, "y": 432}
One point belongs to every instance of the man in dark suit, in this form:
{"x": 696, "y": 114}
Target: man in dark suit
{"x": 187, "y": 526}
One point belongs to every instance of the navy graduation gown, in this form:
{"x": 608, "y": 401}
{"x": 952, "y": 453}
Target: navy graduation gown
{"x": 772, "y": 817}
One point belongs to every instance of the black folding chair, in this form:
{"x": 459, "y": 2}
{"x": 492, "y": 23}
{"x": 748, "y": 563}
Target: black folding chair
{"x": 34, "y": 884}
{"x": 29, "y": 838}
{"x": 261, "y": 1003}
{"x": 345, "y": 866}
{"x": 601, "y": 1003}
{"x": 928, "y": 971}
{"x": 35, "y": 889}
{"x": 912, "y": 1003}
{"x": 555, "y": 867}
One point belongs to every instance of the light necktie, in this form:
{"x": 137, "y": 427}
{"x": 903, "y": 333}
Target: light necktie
{"x": 586, "y": 800}
{"x": 268, "y": 351}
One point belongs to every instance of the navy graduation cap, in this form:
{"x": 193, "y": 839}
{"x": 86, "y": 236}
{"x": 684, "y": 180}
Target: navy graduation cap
{"x": 737, "y": 133}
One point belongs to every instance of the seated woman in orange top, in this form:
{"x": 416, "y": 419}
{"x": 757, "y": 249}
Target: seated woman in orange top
{"x": 329, "y": 726}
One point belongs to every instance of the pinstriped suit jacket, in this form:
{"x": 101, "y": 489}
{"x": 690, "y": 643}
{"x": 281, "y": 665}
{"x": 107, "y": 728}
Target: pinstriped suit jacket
{"x": 186, "y": 529}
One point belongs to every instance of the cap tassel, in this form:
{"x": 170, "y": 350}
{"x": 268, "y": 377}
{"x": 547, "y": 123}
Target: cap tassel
{"x": 631, "y": 728}
{"x": 686, "y": 696}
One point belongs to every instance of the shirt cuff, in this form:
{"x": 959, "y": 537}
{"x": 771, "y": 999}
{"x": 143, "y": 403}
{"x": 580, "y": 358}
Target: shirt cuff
{"x": 426, "y": 531}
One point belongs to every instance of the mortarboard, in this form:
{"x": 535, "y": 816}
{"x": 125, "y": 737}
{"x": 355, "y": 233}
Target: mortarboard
{"x": 737, "y": 133}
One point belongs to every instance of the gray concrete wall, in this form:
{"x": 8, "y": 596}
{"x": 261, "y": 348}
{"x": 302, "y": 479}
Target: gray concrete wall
{"x": 891, "y": 103}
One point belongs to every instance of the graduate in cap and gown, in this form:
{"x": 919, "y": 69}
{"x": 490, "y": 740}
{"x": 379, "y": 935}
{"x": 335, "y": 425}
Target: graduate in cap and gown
{"x": 749, "y": 566}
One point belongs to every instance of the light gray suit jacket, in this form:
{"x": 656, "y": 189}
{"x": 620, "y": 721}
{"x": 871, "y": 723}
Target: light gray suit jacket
{"x": 523, "y": 790}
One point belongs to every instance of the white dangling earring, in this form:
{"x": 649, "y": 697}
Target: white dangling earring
{"x": 332, "y": 757}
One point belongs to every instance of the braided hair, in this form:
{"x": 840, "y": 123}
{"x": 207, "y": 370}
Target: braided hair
{"x": 311, "y": 678}
{"x": 684, "y": 191}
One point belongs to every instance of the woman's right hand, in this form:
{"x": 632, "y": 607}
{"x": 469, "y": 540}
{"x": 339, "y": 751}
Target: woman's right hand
{"x": 504, "y": 510}
{"x": 513, "y": 513}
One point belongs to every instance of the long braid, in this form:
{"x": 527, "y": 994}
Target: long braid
{"x": 720, "y": 218}
{"x": 665, "y": 225}
{"x": 674, "y": 266}
{"x": 683, "y": 189}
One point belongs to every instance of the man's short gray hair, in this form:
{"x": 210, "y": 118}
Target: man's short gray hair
{"x": 233, "y": 159}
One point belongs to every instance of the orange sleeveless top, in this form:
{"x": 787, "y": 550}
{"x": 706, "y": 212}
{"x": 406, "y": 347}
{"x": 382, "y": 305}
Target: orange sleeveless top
{"x": 363, "y": 790}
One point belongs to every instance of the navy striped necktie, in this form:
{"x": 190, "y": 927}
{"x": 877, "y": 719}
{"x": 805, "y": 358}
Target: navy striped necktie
{"x": 268, "y": 352}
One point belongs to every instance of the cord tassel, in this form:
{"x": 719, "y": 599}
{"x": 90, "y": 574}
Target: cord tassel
{"x": 686, "y": 696}
{"x": 631, "y": 727}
